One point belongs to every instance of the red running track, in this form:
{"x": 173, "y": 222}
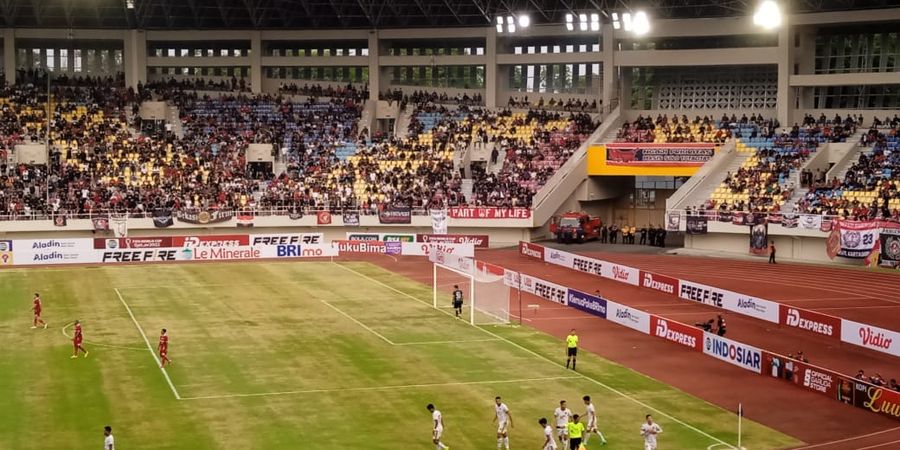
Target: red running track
{"x": 808, "y": 416}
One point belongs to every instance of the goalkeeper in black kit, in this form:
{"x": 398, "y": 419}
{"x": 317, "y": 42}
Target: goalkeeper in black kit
{"x": 457, "y": 300}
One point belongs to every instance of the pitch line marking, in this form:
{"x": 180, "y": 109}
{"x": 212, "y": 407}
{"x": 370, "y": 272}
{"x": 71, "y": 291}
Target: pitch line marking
{"x": 98, "y": 344}
{"x": 379, "y": 388}
{"x": 540, "y": 356}
{"x": 149, "y": 347}
{"x": 385, "y": 339}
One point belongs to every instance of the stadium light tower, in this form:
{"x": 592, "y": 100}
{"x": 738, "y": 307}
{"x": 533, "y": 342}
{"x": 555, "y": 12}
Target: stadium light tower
{"x": 637, "y": 23}
{"x": 508, "y": 24}
{"x": 768, "y": 15}
{"x": 583, "y": 22}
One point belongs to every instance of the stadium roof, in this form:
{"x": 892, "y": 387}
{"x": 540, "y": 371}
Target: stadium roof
{"x": 369, "y": 14}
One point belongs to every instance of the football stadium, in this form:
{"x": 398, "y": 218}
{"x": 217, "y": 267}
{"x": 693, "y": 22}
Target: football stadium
{"x": 434, "y": 224}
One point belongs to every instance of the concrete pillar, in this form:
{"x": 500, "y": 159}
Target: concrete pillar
{"x": 608, "y": 87}
{"x": 256, "y": 79}
{"x": 9, "y": 55}
{"x": 374, "y": 69}
{"x": 785, "y": 98}
{"x": 491, "y": 86}
{"x": 806, "y": 61}
{"x": 134, "y": 58}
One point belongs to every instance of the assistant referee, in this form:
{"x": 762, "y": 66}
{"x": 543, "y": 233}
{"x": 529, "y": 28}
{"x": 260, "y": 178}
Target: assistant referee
{"x": 571, "y": 348}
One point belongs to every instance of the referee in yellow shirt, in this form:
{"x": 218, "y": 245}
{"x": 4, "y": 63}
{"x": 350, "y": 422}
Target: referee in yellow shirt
{"x": 576, "y": 430}
{"x": 571, "y": 348}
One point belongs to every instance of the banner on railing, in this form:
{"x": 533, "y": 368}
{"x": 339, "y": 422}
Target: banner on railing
{"x": 889, "y": 254}
{"x": 648, "y": 159}
{"x": 478, "y": 240}
{"x": 403, "y": 237}
{"x": 759, "y": 238}
{"x": 204, "y": 217}
{"x": 697, "y": 225}
{"x": 733, "y": 352}
{"x": 395, "y": 215}
{"x": 489, "y": 213}
{"x": 858, "y": 239}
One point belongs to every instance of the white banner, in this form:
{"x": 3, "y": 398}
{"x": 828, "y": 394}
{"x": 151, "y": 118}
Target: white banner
{"x": 424, "y": 249}
{"x": 28, "y": 252}
{"x": 873, "y": 338}
{"x": 119, "y": 225}
{"x": 511, "y": 278}
{"x": 544, "y": 289}
{"x": 858, "y": 238}
{"x": 627, "y": 316}
{"x": 298, "y": 250}
{"x": 733, "y": 352}
{"x": 811, "y": 221}
{"x": 732, "y": 301}
{"x": 618, "y": 272}
{"x": 439, "y": 221}
{"x": 559, "y": 257}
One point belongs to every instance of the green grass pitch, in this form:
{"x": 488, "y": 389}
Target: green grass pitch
{"x": 312, "y": 355}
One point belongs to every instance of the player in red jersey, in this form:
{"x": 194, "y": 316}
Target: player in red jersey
{"x": 78, "y": 339}
{"x": 163, "y": 348}
{"x": 37, "y": 308}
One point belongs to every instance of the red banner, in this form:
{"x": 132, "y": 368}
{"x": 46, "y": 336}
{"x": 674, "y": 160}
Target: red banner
{"x": 660, "y": 283}
{"x": 489, "y": 213}
{"x": 323, "y": 218}
{"x": 531, "y": 250}
{"x": 145, "y": 242}
{"x": 627, "y": 154}
{"x": 223, "y": 240}
{"x": 478, "y": 240}
{"x": 679, "y": 333}
{"x": 822, "y": 381}
{"x": 821, "y": 324}
{"x": 877, "y": 399}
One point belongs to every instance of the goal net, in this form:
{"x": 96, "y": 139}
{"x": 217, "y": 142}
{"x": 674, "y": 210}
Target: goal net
{"x": 485, "y": 294}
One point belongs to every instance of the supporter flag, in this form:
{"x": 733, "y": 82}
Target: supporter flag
{"x": 890, "y": 247}
{"x": 100, "y": 223}
{"x": 323, "y": 218}
{"x": 60, "y": 220}
{"x": 738, "y": 218}
{"x": 811, "y": 221}
{"x": 725, "y": 216}
{"x": 759, "y": 238}
{"x": 245, "y": 220}
{"x": 789, "y": 221}
{"x": 439, "y": 221}
{"x": 162, "y": 218}
{"x": 295, "y": 214}
{"x": 826, "y": 224}
{"x": 775, "y": 218}
{"x": 119, "y": 225}
{"x": 697, "y": 224}
{"x": 833, "y": 243}
{"x": 395, "y": 215}
{"x": 351, "y": 218}
{"x": 673, "y": 221}
{"x": 751, "y": 219}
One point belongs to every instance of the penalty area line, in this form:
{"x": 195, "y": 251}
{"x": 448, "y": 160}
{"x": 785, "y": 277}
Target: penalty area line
{"x": 149, "y": 347}
{"x": 379, "y": 388}
{"x": 542, "y": 357}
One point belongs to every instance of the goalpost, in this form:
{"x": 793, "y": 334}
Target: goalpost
{"x": 485, "y": 295}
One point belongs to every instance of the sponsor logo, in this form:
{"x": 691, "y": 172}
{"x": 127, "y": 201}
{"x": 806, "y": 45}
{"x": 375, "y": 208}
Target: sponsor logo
{"x": 556, "y": 255}
{"x": 658, "y": 282}
{"x": 140, "y": 255}
{"x": 626, "y": 314}
{"x": 479, "y": 240}
{"x": 362, "y": 237}
{"x": 733, "y": 352}
{"x": 224, "y": 253}
{"x": 363, "y": 247}
{"x": 700, "y": 294}
{"x": 591, "y": 266}
{"x": 748, "y": 303}
{"x": 587, "y": 303}
{"x": 287, "y": 239}
{"x": 553, "y": 293}
{"x": 195, "y": 242}
{"x": 298, "y": 251}
{"x": 398, "y": 237}
{"x": 878, "y": 400}
{"x": 52, "y": 243}
{"x": 794, "y": 318}
{"x": 112, "y": 243}
{"x": 874, "y": 338}
{"x": 531, "y": 250}
{"x": 619, "y": 273}
{"x": 817, "y": 381}
{"x": 676, "y": 333}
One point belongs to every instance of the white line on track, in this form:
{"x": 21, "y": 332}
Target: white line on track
{"x": 540, "y": 356}
{"x": 852, "y": 438}
{"x": 98, "y": 344}
{"x": 380, "y": 388}
{"x": 830, "y": 308}
{"x": 881, "y": 445}
{"x": 149, "y": 347}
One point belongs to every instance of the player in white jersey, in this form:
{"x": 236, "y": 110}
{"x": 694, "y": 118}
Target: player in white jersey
{"x": 549, "y": 442}
{"x": 649, "y": 431}
{"x": 562, "y": 415}
{"x": 109, "y": 442}
{"x": 591, "y": 415}
{"x": 504, "y": 422}
{"x": 438, "y": 428}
